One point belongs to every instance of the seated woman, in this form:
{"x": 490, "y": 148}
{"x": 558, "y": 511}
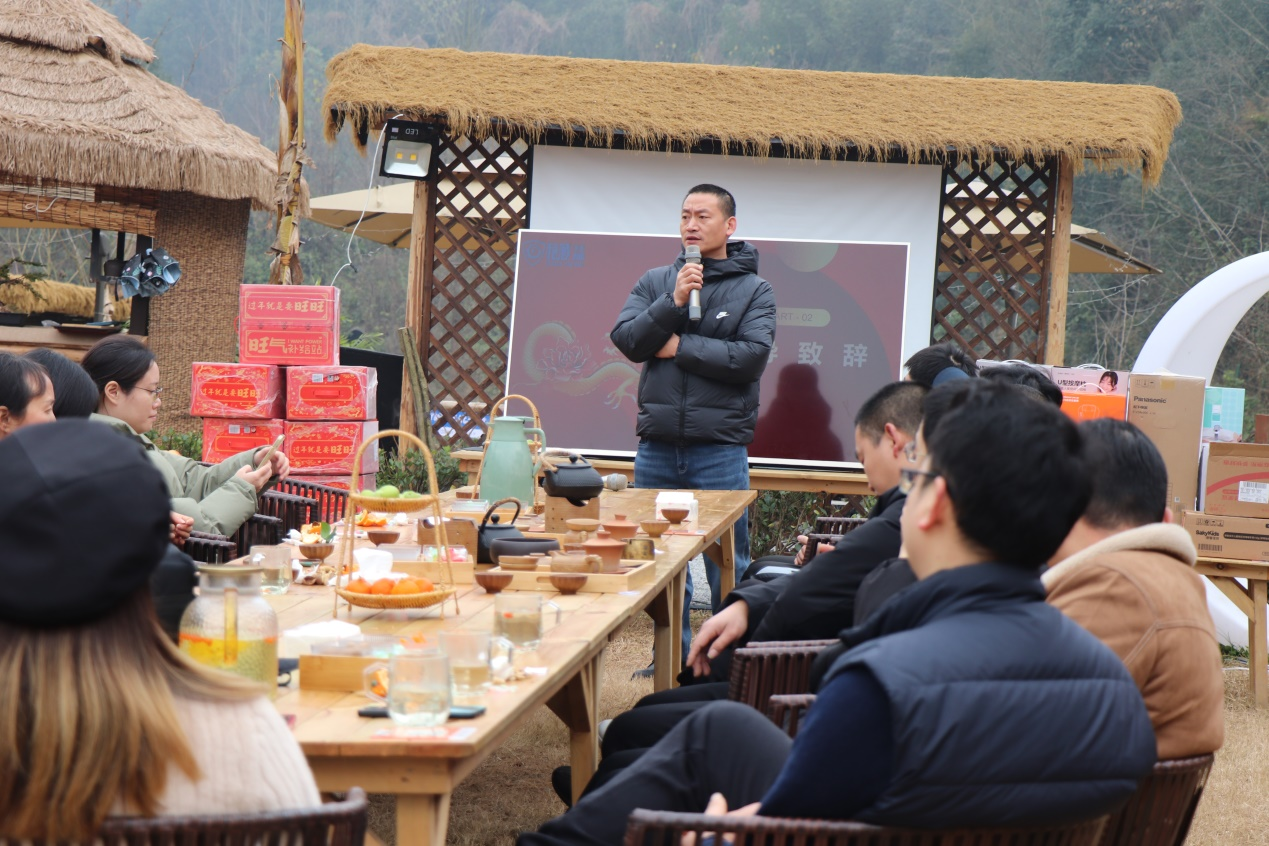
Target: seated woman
{"x": 220, "y": 498}
{"x": 76, "y": 395}
{"x": 26, "y": 394}
{"x": 103, "y": 715}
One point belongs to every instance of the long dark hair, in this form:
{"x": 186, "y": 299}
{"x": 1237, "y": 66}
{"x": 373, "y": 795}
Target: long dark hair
{"x": 74, "y": 392}
{"x": 21, "y": 380}
{"x": 117, "y": 358}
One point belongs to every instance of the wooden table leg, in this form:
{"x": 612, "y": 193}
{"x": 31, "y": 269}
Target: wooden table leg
{"x": 422, "y": 819}
{"x": 677, "y": 598}
{"x": 577, "y": 704}
{"x": 1256, "y": 630}
{"x": 661, "y": 610}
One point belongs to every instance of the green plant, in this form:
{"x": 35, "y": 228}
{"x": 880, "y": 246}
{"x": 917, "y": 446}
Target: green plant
{"x": 777, "y": 517}
{"x": 188, "y": 444}
{"x": 362, "y": 340}
{"x": 409, "y": 471}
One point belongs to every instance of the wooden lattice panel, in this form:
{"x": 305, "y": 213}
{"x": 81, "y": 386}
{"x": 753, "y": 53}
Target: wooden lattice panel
{"x": 479, "y": 203}
{"x": 995, "y": 243}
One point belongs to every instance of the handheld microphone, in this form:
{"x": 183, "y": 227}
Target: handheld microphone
{"x": 692, "y": 255}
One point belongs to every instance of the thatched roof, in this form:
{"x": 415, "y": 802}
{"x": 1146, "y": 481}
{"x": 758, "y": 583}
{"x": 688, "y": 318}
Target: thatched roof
{"x": 73, "y": 111}
{"x": 811, "y": 113}
{"x": 71, "y": 26}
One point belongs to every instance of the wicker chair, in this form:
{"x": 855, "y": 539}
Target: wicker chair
{"x": 259, "y": 530}
{"x": 762, "y": 670}
{"x": 653, "y": 828}
{"x": 788, "y": 711}
{"x": 292, "y": 509}
{"x": 210, "y": 549}
{"x": 334, "y": 823}
{"x": 331, "y": 502}
{"x": 829, "y": 530}
{"x": 1160, "y": 812}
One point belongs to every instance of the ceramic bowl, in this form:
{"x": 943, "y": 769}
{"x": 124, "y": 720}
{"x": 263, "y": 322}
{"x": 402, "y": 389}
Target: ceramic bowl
{"x": 493, "y": 582}
{"x": 582, "y": 524}
{"x": 518, "y": 562}
{"x": 654, "y": 528}
{"x": 317, "y": 551}
{"x": 520, "y": 546}
{"x": 675, "y": 515}
{"x": 567, "y": 583}
{"x": 381, "y": 536}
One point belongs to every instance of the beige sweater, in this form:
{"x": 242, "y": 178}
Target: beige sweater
{"x": 248, "y": 758}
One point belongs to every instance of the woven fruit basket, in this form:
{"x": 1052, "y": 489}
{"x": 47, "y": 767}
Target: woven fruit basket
{"x": 444, "y": 587}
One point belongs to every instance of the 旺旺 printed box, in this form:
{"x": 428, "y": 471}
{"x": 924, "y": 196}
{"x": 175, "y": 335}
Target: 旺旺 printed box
{"x": 328, "y": 447}
{"x": 224, "y": 438}
{"x": 288, "y": 324}
{"x": 251, "y": 391}
{"x": 331, "y": 393}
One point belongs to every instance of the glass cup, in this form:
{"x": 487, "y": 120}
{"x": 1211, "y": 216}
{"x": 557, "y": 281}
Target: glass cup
{"x": 518, "y": 618}
{"x": 470, "y": 662}
{"x": 275, "y": 564}
{"x": 418, "y": 690}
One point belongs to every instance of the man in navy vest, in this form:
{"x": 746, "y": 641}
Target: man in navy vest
{"x": 966, "y": 700}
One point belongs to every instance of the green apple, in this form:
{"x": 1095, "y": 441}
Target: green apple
{"x": 411, "y": 495}
{"x": 367, "y": 492}
{"x": 388, "y": 492}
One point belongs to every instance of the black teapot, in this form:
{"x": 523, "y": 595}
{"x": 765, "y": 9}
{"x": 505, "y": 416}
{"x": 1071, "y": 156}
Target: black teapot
{"x": 490, "y": 530}
{"x": 576, "y": 480}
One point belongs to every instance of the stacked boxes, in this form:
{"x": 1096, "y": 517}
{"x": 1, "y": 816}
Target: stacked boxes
{"x": 289, "y": 383}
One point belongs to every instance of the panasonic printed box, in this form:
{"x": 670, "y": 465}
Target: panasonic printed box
{"x": 1168, "y": 408}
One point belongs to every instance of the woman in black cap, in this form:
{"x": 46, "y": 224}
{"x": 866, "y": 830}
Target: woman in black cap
{"x": 219, "y": 498}
{"x": 26, "y": 394}
{"x": 101, "y": 714}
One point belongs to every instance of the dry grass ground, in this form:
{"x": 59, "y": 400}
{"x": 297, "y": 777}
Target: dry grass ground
{"x": 511, "y": 792}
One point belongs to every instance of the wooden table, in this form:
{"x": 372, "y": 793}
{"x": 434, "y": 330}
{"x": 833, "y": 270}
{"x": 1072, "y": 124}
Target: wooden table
{"x": 850, "y": 482}
{"x": 342, "y": 748}
{"x": 1251, "y": 601}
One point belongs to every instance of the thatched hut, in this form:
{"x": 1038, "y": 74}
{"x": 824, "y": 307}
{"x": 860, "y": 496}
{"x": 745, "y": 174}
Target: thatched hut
{"x": 1008, "y": 150}
{"x": 90, "y": 139}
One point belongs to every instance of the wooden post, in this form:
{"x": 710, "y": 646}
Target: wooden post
{"x": 416, "y": 298}
{"x": 1059, "y": 264}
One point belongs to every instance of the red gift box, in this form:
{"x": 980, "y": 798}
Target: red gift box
{"x": 224, "y": 438}
{"x": 328, "y": 447}
{"x": 252, "y": 391}
{"x": 366, "y": 481}
{"x": 331, "y": 393}
{"x": 288, "y": 324}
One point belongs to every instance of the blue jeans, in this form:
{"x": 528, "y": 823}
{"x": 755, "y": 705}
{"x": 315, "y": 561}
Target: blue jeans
{"x": 714, "y": 467}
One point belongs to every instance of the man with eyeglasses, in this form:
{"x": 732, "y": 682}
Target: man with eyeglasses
{"x": 966, "y": 701}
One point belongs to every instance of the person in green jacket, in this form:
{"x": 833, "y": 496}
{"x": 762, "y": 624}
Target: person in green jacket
{"x": 219, "y": 498}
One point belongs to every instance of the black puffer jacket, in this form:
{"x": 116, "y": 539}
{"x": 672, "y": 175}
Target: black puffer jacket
{"x": 708, "y": 393}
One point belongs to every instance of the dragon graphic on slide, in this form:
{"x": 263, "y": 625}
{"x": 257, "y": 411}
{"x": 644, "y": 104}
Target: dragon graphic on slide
{"x": 553, "y": 355}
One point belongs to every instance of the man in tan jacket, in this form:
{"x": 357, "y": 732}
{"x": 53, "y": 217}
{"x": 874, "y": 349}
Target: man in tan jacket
{"x": 1125, "y": 574}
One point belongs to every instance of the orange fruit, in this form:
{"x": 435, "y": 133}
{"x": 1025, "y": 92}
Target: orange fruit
{"x": 383, "y": 586}
{"x": 406, "y": 586}
{"x": 358, "y": 586}
{"x": 424, "y": 585}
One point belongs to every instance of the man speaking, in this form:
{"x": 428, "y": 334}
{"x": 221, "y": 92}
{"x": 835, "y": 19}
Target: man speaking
{"x": 702, "y": 328}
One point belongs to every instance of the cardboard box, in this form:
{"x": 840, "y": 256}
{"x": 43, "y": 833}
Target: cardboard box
{"x": 224, "y": 438}
{"x": 1168, "y": 408}
{"x": 328, "y": 447}
{"x": 1242, "y": 538}
{"x": 275, "y": 306}
{"x": 1223, "y": 414}
{"x": 250, "y": 391}
{"x": 1235, "y": 480}
{"x": 331, "y": 393}
{"x": 283, "y": 345}
{"x": 1091, "y": 380}
{"x": 1092, "y": 406}
{"x": 288, "y": 324}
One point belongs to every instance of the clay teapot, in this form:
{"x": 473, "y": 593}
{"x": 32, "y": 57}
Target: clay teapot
{"x": 608, "y": 548}
{"x": 490, "y": 530}
{"x": 575, "y": 480}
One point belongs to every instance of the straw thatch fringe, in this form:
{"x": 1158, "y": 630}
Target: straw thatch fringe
{"x": 46, "y": 295}
{"x": 70, "y": 26}
{"x": 813, "y": 114}
{"x": 78, "y": 118}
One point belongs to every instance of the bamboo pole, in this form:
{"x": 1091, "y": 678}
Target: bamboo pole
{"x": 285, "y": 268}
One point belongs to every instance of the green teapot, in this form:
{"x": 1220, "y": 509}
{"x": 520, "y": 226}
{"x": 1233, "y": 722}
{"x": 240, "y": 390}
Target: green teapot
{"x": 508, "y": 468}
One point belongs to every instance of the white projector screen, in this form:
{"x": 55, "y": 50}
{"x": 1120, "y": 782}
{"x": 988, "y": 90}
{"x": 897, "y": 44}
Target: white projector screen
{"x": 577, "y": 189}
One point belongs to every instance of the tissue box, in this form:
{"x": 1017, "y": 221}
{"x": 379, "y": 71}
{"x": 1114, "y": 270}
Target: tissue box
{"x": 677, "y": 499}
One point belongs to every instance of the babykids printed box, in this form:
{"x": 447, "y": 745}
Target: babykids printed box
{"x": 288, "y": 324}
{"x": 223, "y": 438}
{"x": 331, "y": 393}
{"x": 1217, "y": 536}
{"x": 252, "y": 391}
{"x": 328, "y": 447}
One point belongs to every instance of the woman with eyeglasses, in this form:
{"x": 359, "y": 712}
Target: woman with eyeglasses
{"x": 219, "y": 498}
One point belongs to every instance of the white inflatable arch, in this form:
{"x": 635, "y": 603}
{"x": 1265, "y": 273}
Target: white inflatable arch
{"x": 1189, "y": 340}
